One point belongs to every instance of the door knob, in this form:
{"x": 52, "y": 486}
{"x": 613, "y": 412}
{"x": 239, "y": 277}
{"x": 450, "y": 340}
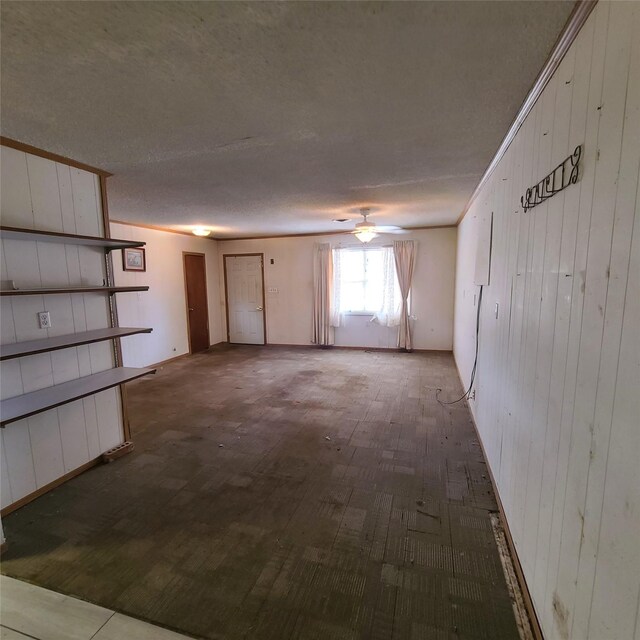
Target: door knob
{"x": 258, "y": 308}
{"x": 190, "y": 308}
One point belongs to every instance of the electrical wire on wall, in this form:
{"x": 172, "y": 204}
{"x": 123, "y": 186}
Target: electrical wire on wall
{"x": 465, "y": 396}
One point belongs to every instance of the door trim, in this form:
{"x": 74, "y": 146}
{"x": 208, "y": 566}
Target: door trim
{"x": 186, "y": 297}
{"x": 226, "y": 292}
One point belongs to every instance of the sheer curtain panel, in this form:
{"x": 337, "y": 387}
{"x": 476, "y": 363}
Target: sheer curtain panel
{"x": 322, "y": 294}
{"x": 389, "y": 313}
{"x": 404, "y": 254}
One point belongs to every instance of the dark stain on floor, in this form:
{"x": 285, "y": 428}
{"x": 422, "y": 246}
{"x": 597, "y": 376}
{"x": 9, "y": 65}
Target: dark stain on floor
{"x": 283, "y": 493}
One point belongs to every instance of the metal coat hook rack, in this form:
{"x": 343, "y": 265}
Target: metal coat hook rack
{"x": 565, "y": 174}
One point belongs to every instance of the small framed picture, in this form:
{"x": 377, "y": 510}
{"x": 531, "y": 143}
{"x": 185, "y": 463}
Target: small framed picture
{"x": 133, "y": 260}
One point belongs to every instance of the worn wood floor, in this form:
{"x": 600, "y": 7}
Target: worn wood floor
{"x": 283, "y": 493}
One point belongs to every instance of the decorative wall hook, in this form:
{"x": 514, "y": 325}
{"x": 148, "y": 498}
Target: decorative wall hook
{"x": 565, "y": 174}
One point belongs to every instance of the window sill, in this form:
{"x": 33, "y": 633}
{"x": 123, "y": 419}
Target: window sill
{"x": 370, "y": 314}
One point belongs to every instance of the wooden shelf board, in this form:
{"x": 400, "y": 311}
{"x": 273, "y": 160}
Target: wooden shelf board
{"x": 40, "y": 292}
{"x": 29, "y": 404}
{"x": 13, "y": 233}
{"x": 32, "y": 347}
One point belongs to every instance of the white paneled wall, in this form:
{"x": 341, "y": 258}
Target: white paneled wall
{"x": 289, "y": 308}
{"x": 164, "y": 306}
{"x": 558, "y": 384}
{"x": 41, "y": 194}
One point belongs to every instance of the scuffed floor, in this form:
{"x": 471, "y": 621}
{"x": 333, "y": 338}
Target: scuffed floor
{"x": 283, "y": 493}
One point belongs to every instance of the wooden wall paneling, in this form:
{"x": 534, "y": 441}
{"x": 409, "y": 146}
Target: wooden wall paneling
{"x": 73, "y": 435}
{"x": 91, "y": 427}
{"x": 37, "y": 372}
{"x": 621, "y": 500}
{"x": 559, "y": 139}
{"x": 524, "y": 271}
{"x": 65, "y": 191}
{"x": 575, "y": 80}
{"x": 563, "y": 452}
{"x": 22, "y": 263}
{"x": 109, "y": 418}
{"x": 525, "y": 377}
{"x": 607, "y": 268}
{"x": 528, "y": 479}
{"x": 576, "y": 530}
{"x": 65, "y": 366}
{"x": 506, "y": 216}
{"x": 5, "y": 485}
{"x": 618, "y": 559}
{"x": 14, "y": 183}
{"x": 61, "y": 309}
{"x": 16, "y": 445}
{"x": 88, "y": 218}
{"x": 555, "y": 611}
{"x": 517, "y": 308}
{"x": 46, "y": 447}
{"x": 45, "y": 194}
{"x": 52, "y": 264}
{"x": 11, "y": 380}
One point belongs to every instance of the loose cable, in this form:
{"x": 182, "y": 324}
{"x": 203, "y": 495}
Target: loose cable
{"x": 465, "y": 396}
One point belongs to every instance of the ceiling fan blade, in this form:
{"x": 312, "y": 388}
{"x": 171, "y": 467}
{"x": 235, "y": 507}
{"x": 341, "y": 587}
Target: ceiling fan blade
{"x": 390, "y": 229}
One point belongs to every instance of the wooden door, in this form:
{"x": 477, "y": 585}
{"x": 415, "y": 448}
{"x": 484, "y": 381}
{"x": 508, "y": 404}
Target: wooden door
{"x": 244, "y": 281}
{"x": 195, "y": 278}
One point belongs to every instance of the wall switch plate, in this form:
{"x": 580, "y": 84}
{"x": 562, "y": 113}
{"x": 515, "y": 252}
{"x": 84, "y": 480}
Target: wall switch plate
{"x": 497, "y": 307}
{"x": 44, "y": 319}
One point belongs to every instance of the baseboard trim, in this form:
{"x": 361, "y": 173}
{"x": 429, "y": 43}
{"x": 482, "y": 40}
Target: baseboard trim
{"x": 522, "y": 582}
{"x": 337, "y": 346}
{"x": 48, "y": 487}
{"x": 182, "y": 355}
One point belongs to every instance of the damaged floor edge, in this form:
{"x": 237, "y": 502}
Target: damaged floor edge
{"x": 519, "y": 608}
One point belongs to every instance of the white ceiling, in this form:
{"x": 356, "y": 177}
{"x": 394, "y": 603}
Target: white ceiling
{"x": 272, "y": 118}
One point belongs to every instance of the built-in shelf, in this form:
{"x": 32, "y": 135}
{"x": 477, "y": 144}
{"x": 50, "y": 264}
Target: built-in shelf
{"x": 29, "y": 404}
{"x": 12, "y": 233}
{"x": 42, "y": 292}
{"x": 32, "y": 347}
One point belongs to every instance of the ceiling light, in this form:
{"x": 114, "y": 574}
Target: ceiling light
{"x": 366, "y": 235}
{"x": 201, "y": 232}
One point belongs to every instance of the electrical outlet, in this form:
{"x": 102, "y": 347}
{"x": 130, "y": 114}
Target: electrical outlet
{"x": 44, "y": 319}
{"x": 473, "y": 395}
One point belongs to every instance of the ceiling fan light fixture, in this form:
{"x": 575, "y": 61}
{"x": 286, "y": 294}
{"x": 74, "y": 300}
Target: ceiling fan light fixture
{"x": 366, "y": 235}
{"x": 201, "y": 232}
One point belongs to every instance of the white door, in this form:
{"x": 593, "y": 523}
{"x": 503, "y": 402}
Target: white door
{"x": 245, "y": 299}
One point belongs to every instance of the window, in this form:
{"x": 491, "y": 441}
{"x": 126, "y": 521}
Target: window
{"x": 365, "y": 280}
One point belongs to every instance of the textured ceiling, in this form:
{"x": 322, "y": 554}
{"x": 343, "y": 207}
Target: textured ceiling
{"x": 268, "y": 118}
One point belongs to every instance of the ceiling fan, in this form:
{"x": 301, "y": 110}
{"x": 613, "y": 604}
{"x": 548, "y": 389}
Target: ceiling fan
{"x": 366, "y": 231}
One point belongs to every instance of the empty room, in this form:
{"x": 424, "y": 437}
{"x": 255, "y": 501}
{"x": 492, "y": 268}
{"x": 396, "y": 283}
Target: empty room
{"x": 320, "y": 320}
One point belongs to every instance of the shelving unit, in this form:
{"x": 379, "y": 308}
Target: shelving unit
{"x": 30, "y": 404}
{"x": 49, "y": 291}
{"x": 13, "y": 233}
{"x": 33, "y": 347}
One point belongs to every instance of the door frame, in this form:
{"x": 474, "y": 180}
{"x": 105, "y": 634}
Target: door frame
{"x": 226, "y": 290}
{"x": 186, "y": 295}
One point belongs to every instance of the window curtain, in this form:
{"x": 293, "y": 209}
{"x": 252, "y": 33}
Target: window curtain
{"x": 404, "y": 255}
{"x": 389, "y": 312}
{"x": 322, "y": 294}
{"x": 336, "y": 316}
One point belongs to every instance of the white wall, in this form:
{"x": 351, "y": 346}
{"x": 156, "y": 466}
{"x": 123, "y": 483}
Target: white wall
{"x": 558, "y": 397}
{"x": 45, "y": 195}
{"x": 289, "y": 312}
{"x": 163, "y": 307}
